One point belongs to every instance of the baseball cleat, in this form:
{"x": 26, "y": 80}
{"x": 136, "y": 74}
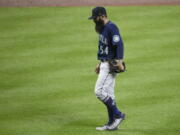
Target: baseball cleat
{"x": 105, "y": 127}
{"x": 116, "y": 123}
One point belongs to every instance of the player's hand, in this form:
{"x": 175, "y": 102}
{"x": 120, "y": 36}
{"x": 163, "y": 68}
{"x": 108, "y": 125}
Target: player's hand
{"x": 120, "y": 65}
{"x": 97, "y": 69}
{"x": 117, "y": 66}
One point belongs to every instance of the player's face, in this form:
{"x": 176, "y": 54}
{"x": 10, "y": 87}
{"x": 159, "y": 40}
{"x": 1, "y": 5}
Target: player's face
{"x": 98, "y": 20}
{"x": 99, "y": 24}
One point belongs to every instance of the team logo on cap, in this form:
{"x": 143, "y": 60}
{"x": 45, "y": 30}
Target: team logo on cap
{"x": 116, "y": 38}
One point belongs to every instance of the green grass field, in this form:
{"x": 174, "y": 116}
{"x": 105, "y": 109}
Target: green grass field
{"x": 47, "y": 60}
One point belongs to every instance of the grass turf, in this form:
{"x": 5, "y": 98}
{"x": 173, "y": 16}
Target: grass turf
{"x": 47, "y": 58}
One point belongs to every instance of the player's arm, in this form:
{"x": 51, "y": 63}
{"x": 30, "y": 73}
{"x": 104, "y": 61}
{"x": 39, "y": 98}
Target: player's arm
{"x": 118, "y": 46}
{"x": 119, "y": 55}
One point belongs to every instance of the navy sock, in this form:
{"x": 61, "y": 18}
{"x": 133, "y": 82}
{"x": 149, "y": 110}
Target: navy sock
{"x": 110, "y": 116}
{"x": 111, "y": 105}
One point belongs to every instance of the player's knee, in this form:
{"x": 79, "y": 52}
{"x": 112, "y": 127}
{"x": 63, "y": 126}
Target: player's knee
{"x": 97, "y": 92}
{"x": 100, "y": 94}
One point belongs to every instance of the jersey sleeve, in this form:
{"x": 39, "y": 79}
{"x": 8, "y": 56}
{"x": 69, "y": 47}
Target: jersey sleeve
{"x": 117, "y": 42}
{"x": 114, "y": 35}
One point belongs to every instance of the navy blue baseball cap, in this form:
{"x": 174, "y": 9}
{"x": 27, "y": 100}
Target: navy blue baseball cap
{"x": 98, "y": 11}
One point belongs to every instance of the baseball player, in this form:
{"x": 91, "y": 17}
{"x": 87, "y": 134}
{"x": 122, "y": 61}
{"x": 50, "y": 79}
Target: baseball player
{"x": 110, "y": 54}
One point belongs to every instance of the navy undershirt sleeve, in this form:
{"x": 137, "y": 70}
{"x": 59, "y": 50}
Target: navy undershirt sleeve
{"x": 119, "y": 51}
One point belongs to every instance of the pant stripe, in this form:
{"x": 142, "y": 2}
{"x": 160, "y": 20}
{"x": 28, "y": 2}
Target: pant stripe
{"x": 103, "y": 85}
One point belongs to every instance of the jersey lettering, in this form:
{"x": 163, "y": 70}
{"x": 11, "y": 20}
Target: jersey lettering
{"x": 103, "y": 39}
{"x": 103, "y": 50}
{"x": 109, "y": 42}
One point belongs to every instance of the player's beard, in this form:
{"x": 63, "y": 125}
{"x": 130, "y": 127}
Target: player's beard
{"x": 99, "y": 26}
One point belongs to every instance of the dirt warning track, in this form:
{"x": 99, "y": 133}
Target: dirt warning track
{"x": 30, "y": 3}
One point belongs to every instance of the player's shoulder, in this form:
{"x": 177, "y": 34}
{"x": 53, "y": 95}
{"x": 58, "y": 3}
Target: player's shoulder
{"x": 112, "y": 26}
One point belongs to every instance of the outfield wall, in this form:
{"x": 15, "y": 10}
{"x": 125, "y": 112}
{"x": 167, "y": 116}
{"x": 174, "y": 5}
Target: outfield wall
{"x": 27, "y": 3}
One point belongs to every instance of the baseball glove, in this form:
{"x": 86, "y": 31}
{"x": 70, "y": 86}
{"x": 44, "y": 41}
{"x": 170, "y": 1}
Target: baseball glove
{"x": 114, "y": 67}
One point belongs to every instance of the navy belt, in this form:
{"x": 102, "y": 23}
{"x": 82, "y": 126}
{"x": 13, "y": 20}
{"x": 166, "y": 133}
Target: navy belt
{"x": 104, "y": 60}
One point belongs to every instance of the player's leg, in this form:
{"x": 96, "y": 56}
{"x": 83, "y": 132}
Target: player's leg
{"x": 104, "y": 90}
{"x": 106, "y": 95}
{"x": 101, "y": 94}
{"x": 118, "y": 116}
{"x": 101, "y": 81}
{"x": 109, "y": 87}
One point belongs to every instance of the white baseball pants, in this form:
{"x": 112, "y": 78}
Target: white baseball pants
{"x": 105, "y": 84}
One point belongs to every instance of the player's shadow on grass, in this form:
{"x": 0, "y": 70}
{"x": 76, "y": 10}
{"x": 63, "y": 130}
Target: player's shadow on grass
{"x": 123, "y": 130}
{"x": 83, "y": 123}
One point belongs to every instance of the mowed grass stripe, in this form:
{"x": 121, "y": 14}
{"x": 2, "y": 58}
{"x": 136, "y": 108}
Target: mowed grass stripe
{"x": 47, "y": 80}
